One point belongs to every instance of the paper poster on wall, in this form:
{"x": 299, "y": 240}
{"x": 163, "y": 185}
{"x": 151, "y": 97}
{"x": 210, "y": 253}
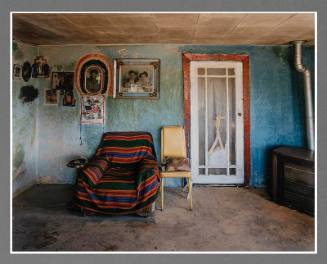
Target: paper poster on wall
{"x": 92, "y": 109}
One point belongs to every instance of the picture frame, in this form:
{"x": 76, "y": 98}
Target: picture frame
{"x": 94, "y": 79}
{"x": 40, "y": 68}
{"x": 137, "y": 78}
{"x": 69, "y": 99}
{"x": 51, "y": 97}
{"x": 17, "y": 72}
{"x": 92, "y": 109}
{"x": 93, "y": 75}
{"x": 62, "y": 81}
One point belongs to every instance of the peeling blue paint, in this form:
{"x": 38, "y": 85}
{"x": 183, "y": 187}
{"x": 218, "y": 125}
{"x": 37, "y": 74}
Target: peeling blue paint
{"x": 276, "y": 101}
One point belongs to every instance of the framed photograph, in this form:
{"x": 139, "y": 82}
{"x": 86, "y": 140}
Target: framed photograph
{"x": 94, "y": 79}
{"x": 17, "y": 71}
{"x": 40, "y": 68}
{"x": 62, "y": 81}
{"x": 92, "y": 109}
{"x": 137, "y": 78}
{"x": 93, "y": 75}
{"x": 51, "y": 97}
{"x": 69, "y": 99}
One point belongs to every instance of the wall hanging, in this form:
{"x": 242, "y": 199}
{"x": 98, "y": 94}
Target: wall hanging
{"x": 26, "y": 71}
{"x": 93, "y": 75}
{"x": 137, "y": 78}
{"x": 62, "y": 81}
{"x": 40, "y": 68}
{"x": 28, "y": 93}
{"x": 51, "y": 97}
{"x": 17, "y": 71}
{"x": 69, "y": 99}
{"x": 92, "y": 111}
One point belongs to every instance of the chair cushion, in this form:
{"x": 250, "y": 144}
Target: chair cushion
{"x": 118, "y": 178}
{"x": 177, "y": 164}
{"x": 175, "y": 174}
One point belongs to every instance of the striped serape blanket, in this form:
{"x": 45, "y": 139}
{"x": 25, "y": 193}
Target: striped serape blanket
{"x": 122, "y": 177}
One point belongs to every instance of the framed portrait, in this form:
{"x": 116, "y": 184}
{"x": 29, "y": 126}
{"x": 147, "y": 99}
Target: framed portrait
{"x": 69, "y": 99}
{"x": 17, "y": 71}
{"x": 40, "y": 68}
{"x": 51, "y": 97}
{"x": 93, "y": 75}
{"x": 137, "y": 78}
{"x": 92, "y": 109}
{"x": 94, "y": 79}
{"x": 62, "y": 81}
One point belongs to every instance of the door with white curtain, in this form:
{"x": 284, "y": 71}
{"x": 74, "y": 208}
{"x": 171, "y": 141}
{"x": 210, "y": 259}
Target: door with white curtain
{"x": 217, "y": 155}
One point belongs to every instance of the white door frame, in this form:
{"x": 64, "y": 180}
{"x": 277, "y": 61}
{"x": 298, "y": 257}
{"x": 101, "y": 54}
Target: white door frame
{"x": 239, "y": 148}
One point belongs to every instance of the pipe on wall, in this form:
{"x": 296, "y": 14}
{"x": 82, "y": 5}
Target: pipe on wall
{"x": 300, "y": 67}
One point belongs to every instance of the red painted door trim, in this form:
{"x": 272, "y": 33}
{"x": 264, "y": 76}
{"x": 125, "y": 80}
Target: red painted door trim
{"x": 186, "y": 60}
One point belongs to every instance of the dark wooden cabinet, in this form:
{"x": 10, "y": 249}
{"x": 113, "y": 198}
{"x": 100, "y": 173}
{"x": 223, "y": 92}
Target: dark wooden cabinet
{"x": 293, "y": 178}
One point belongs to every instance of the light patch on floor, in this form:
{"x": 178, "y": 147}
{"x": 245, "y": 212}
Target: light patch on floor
{"x": 223, "y": 219}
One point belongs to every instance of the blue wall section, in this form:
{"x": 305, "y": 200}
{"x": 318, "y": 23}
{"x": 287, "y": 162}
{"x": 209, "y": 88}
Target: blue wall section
{"x": 276, "y": 104}
{"x": 24, "y": 121}
{"x": 61, "y": 124}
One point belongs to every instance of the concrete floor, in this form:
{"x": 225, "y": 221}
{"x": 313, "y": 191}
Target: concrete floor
{"x": 223, "y": 219}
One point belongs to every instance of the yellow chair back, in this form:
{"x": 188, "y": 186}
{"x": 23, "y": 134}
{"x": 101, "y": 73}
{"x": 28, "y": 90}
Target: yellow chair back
{"x": 173, "y": 143}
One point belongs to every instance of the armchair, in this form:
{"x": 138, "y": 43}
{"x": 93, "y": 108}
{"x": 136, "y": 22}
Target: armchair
{"x": 122, "y": 177}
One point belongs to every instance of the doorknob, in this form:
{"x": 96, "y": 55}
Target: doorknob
{"x": 239, "y": 114}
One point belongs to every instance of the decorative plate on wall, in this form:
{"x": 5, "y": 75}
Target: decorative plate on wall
{"x": 93, "y": 75}
{"x": 26, "y": 71}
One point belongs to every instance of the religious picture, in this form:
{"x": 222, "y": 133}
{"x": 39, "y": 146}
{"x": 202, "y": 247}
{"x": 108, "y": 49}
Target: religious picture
{"x": 92, "y": 109}
{"x": 40, "y": 68}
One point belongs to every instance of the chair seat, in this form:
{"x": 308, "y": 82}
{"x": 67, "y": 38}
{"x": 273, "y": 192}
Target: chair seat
{"x": 175, "y": 174}
{"x": 117, "y": 179}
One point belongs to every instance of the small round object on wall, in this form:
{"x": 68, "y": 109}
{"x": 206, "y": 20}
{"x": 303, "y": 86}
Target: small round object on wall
{"x": 26, "y": 71}
{"x": 93, "y": 75}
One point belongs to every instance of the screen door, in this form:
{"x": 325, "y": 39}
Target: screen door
{"x": 217, "y": 155}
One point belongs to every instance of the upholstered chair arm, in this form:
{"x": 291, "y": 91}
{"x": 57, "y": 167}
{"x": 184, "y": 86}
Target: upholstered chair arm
{"x": 93, "y": 171}
{"x": 147, "y": 175}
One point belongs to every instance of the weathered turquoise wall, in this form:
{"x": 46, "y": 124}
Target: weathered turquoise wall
{"x": 59, "y": 126}
{"x": 24, "y": 121}
{"x": 276, "y": 99}
{"x": 276, "y": 104}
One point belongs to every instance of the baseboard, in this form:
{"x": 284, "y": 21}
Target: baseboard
{"x": 24, "y": 188}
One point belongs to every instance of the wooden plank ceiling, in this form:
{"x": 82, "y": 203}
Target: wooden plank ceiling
{"x": 178, "y": 28}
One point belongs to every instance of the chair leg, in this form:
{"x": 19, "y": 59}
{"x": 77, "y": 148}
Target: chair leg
{"x": 189, "y": 196}
{"x": 162, "y": 193}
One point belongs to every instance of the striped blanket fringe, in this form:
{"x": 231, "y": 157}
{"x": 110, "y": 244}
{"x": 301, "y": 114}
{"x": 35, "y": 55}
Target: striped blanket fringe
{"x": 122, "y": 177}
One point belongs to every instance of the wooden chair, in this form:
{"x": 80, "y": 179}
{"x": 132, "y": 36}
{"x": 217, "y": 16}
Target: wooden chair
{"x": 173, "y": 145}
